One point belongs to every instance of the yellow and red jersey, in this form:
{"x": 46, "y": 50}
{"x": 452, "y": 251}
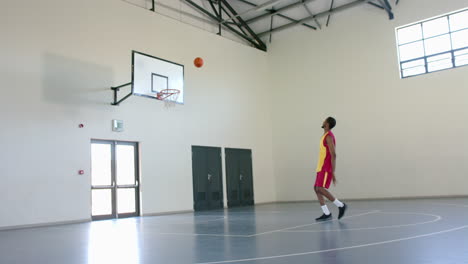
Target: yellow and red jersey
{"x": 325, "y": 160}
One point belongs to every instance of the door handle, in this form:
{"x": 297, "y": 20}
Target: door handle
{"x": 209, "y": 177}
{"x": 241, "y": 177}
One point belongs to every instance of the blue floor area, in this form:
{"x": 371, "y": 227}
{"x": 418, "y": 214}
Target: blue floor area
{"x": 383, "y": 231}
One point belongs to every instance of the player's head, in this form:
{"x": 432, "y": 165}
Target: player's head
{"x": 329, "y": 123}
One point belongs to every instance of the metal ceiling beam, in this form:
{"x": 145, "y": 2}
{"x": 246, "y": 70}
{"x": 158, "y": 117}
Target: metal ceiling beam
{"x": 386, "y": 5}
{"x": 235, "y": 31}
{"x": 295, "y": 21}
{"x": 278, "y": 11}
{"x": 157, "y": 4}
{"x": 222, "y": 9}
{"x": 331, "y": 8}
{"x": 279, "y": 15}
{"x": 214, "y": 9}
{"x": 265, "y": 5}
{"x": 376, "y": 5}
{"x": 326, "y": 13}
{"x": 244, "y": 25}
{"x": 247, "y": 2}
{"x": 234, "y": 22}
{"x": 311, "y": 14}
{"x": 218, "y": 14}
{"x": 271, "y": 27}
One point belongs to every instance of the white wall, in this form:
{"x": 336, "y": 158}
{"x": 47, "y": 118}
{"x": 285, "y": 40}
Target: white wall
{"x": 395, "y": 138}
{"x": 59, "y": 58}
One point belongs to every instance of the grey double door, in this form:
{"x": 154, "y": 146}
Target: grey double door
{"x": 207, "y": 178}
{"x": 239, "y": 179}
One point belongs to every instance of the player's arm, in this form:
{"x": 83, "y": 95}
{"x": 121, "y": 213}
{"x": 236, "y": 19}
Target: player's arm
{"x": 331, "y": 147}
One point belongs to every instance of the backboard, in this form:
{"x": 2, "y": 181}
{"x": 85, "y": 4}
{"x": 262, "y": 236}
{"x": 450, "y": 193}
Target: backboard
{"x": 150, "y": 75}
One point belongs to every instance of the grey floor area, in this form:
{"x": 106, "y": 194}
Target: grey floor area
{"x": 391, "y": 231}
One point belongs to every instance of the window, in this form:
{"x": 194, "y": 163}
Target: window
{"x": 432, "y": 45}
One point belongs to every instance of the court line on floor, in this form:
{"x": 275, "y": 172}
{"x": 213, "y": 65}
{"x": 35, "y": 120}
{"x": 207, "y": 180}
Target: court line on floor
{"x": 339, "y": 249}
{"x": 459, "y": 205}
{"x": 244, "y": 212}
{"x": 263, "y": 233}
{"x": 201, "y": 222}
{"x": 248, "y": 213}
{"x": 207, "y": 235}
{"x": 436, "y": 219}
{"x": 190, "y": 222}
{"x": 316, "y": 223}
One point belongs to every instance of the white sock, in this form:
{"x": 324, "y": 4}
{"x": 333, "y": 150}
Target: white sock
{"x": 338, "y": 203}
{"x": 325, "y": 210}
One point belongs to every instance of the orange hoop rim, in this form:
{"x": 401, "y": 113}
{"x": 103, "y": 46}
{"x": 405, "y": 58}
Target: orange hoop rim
{"x": 166, "y": 93}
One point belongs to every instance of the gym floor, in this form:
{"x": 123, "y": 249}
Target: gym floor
{"x": 382, "y": 231}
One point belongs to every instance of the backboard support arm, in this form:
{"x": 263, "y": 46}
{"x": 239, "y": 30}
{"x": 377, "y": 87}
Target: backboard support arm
{"x": 116, "y": 89}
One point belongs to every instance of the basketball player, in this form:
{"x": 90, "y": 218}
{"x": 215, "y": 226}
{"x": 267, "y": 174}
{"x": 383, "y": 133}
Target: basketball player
{"x": 326, "y": 171}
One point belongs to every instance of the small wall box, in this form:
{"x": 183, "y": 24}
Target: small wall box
{"x": 117, "y": 125}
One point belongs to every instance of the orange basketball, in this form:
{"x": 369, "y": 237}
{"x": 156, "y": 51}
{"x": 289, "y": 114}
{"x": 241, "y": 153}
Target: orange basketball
{"x": 198, "y": 62}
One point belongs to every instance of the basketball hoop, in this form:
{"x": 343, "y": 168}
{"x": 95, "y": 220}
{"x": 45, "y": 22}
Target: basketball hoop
{"x": 169, "y": 96}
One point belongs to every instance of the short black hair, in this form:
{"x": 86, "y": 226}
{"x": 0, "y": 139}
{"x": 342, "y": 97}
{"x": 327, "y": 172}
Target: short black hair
{"x": 331, "y": 122}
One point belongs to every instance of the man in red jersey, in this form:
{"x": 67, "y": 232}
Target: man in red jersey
{"x": 326, "y": 171}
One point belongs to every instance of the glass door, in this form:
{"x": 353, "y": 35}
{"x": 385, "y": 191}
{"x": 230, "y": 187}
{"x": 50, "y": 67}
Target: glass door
{"x": 114, "y": 179}
{"x": 126, "y": 180}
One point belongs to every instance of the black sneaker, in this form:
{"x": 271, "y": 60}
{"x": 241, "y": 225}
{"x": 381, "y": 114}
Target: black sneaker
{"x": 342, "y": 210}
{"x": 324, "y": 217}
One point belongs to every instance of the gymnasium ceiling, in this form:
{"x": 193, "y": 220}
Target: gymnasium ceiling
{"x": 255, "y": 21}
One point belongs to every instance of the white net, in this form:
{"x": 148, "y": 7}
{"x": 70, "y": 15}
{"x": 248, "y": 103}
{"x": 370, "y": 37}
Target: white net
{"x": 169, "y": 97}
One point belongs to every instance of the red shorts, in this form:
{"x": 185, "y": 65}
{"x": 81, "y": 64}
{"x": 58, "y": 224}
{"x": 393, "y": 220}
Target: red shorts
{"x": 324, "y": 179}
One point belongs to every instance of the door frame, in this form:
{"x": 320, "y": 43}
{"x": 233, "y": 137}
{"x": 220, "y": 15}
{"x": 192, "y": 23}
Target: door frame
{"x": 114, "y": 187}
